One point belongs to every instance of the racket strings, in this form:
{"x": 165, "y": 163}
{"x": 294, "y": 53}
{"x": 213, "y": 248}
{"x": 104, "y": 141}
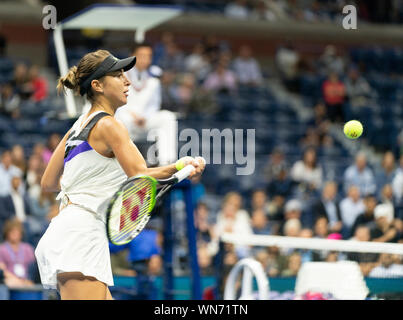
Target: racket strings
{"x": 132, "y": 209}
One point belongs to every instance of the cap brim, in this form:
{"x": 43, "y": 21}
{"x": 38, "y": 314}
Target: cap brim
{"x": 125, "y": 64}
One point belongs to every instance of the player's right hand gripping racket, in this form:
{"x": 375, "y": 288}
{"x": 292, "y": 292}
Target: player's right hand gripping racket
{"x": 131, "y": 206}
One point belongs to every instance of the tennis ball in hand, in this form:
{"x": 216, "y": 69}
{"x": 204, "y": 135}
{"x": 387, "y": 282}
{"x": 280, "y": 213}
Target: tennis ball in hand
{"x": 353, "y": 129}
{"x": 181, "y": 163}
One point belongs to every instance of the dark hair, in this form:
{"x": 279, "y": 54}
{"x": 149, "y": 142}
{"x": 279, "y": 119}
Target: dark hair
{"x": 77, "y": 74}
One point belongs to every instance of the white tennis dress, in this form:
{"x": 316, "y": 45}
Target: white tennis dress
{"x": 76, "y": 240}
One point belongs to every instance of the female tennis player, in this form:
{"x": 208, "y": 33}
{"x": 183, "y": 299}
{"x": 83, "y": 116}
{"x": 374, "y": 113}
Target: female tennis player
{"x": 90, "y": 163}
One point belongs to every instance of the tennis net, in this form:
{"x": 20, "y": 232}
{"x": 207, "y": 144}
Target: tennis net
{"x": 314, "y": 268}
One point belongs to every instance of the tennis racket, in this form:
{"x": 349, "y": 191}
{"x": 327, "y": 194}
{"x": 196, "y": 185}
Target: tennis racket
{"x": 132, "y": 205}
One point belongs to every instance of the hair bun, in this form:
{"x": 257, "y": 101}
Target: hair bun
{"x": 69, "y": 80}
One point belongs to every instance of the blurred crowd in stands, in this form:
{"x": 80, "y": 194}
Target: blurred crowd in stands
{"x": 296, "y": 199}
{"x": 388, "y": 11}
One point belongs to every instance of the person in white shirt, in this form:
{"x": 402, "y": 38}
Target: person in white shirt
{"x": 351, "y": 207}
{"x": 233, "y": 219}
{"x": 7, "y": 171}
{"x": 142, "y": 115}
{"x": 247, "y": 68}
{"x": 307, "y": 172}
{"x": 388, "y": 268}
{"x": 397, "y": 182}
{"x": 360, "y": 175}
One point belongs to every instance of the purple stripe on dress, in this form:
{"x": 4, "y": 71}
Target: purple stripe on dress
{"x": 77, "y": 150}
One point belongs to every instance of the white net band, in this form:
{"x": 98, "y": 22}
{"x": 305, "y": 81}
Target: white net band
{"x": 314, "y": 243}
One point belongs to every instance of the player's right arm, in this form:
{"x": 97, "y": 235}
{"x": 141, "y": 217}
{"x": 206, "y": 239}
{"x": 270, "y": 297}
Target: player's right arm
{"x": 117, "y": 139}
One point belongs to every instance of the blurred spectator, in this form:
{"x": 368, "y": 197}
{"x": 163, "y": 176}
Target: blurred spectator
{"x": 259, "y": 201}
{"x": 16, "y": 256}
{"x": 292, "y": 210}
{"x": 221, "y": 79}
{"x": 328, "y": 206}
{"x": 190, "y": 98}
{"x": 9, "y": 101}
{"x": 386, "y": 173}
{"x": 246, "y": 68}
{"x": 39, "y": 84}
{"x": 366, "y": 260}
{"x": 275, "y": 208}
{"x": 18, "y": 157}
{"x": 159, "y": 49}
{"x": 41, "y": 206}
{"x": 34, "y": 175}
{"x": 307, "y": 172}
{"x": 275, "y": 164}
{"x": 276, "y": 262}
{"x": 51, "y": 144}
{"x": 16, "y": 203}
{"x": 367, "y": 218}
{"x": 237, "y": 9}
{"x": 385, "y": 230}
{"x": 281, "y": 186}
{"x": 319, "y": 115}
{"x": 142, "y": 115}
{"x": 350, "y": 208}
{"x": 311, "y": 139}
{"x": 331, "y": 62}
{"x": 7, "y": 171}
{"x": 204, "y": 259}
{"x": 203, "y": 225}
{"x": 358, "y": 89}
{"x": 212, "y": 48}
{"x": 387, "y": 195}
{"x": 141, "y": 254}
{"x": 320, "y": 228}
{"x": 397, "y": 182}
{"x": 20, "y": 81}
{"x": 260, "y": 223}
{"x": 387, "y": 268}
{"x": 233, "y": 219}
{"x": 268, "y": 10}
{"x": 292, "y": 227}
{"x": 334, "y": 93}
{"x": 197, "y": 62}
{"x": 173, "y": 59}
{"x": 287, "y": 60}
{"x": 293, "y": 265}
{"x": 168, "y": 82}
{"x": 306, "y": 254}
{"x": 360, "y": 175}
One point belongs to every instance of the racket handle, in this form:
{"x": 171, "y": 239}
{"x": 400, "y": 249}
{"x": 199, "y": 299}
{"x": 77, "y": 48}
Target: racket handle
{"x": 184, "y": 173}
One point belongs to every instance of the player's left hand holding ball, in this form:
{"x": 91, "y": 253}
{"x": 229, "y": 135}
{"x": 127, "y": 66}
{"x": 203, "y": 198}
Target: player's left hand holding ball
{"x": 199, "y": 163}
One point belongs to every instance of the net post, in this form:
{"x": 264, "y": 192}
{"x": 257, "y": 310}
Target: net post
{"x": 168, "y": 250}
{"x": 219, "y": 264}
{"x": 192, "y": 241}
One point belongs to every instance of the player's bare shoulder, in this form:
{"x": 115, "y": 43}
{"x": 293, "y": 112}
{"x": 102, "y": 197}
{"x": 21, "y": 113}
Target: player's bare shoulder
{"x": 110, "y": 129}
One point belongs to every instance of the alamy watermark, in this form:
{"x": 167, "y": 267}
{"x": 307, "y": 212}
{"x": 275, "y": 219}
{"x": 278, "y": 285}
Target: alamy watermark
{"x": 50, "y": 20}
{"x": 350, "y": 20}
{"x": 227, "y": 146}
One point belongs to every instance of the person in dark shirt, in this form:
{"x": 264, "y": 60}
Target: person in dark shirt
{"x": 367, "y": 218}
{"x": 328, "y": 206}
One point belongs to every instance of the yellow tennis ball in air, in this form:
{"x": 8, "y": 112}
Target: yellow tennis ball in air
{"x": 353, "y": 129}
